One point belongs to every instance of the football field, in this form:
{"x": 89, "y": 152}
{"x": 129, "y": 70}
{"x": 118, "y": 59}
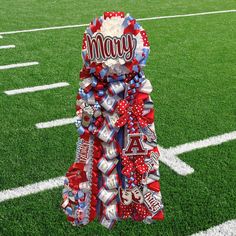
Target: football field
{"x": 192, "y": 67}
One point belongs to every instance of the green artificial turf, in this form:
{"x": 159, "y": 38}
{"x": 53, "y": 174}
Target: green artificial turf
{"x": 192, "y": 69}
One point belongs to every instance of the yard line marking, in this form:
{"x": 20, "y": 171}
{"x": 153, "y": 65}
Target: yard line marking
{"x": 212, "y": 141}
{"x": 57, "y": 182}
{"x": 1, "y": 37}
{"x": 228, "y": 228}
{"x": 5, "y": 67}
{"x": 140, "y": 19}
{"x": 36, "y": 88}
{"x": 55, "y": 123}
{"x": 45, "y": 29}
{"x": 30, "y": 189}
{"x": 169, "y": 156}
{"x": 177, "y": 165}
{"x": 7, "y": 46}
{"x": 186, "y": 15}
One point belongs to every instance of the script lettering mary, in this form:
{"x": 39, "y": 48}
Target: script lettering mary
{"x": 100, "y": 47}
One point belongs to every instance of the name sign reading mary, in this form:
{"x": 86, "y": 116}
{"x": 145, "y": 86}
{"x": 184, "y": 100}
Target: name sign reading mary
{"x": 100, "y": 47}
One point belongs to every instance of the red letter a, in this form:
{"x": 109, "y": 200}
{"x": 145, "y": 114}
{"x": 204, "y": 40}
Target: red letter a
{"x": 134, "y": 146}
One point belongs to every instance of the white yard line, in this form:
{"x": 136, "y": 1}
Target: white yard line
{"x": 11, "y": 66}
{"x": 31, "y": 189}
{"x": 55, "y": 123}
{"x": 1, "y": 37}
{"x": 173, "y": 162}
{"x": 228, "y": 228}
{"x": 140, "y": 19}
{"x": 169, "y": 156}
{"x": 36, "y": 88}
{"x": 176, "y": 164}
{"x": 7, "y": 46}
{"x": 187, "y": 15}
{"x": 212, "y": 141}
{"x": 44, "y": 29}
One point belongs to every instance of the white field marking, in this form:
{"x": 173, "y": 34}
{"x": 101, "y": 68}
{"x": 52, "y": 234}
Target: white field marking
{"x": 55, "y": 123}
{"x": 186, "y": 15}
{"x": 172, "y": 161}
{"x": 169, "y": 156}
{"x": 44, "y": 29}
{"x": 212, "y": 141}
{"x": 228, "y": 228}
{"x": 11, "y": 66}
{"x": 57, "y": 182}
{"x": 36, "y": 88}
{"x": 30, "y": 189}
{"x": 1, "y": 37}
{"x": 7, "y": 46}
{"x": 140, "y": 19}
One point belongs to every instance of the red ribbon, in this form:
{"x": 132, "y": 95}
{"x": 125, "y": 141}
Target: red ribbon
{"x": 137, "y": 211}
{"x": 130, "y": 29}
{"x": 110, "y": 14}
{"x": 95, "y": 27}
{"x": 136, "y": 110}
{"x": 76, "y": 175}
{"x": 84, "y": 73}
{"x": 131, "y": 166}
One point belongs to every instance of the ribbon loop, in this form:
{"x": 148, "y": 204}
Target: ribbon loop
{"x": 128, "y": 111}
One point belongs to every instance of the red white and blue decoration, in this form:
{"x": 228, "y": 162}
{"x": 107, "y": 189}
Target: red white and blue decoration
{"x": 115, "y": 175}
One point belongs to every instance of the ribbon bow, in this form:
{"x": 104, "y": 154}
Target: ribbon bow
{"x": 75, "y": 175}
{"x": 127, "y": 111}
{"x": 132, "y": 28}
{"x": 137, "y": 211}
{"x": 131, "y": 166}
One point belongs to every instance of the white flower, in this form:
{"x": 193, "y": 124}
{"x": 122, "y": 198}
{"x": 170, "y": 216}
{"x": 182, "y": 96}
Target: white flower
{"x": 112, "y": 27}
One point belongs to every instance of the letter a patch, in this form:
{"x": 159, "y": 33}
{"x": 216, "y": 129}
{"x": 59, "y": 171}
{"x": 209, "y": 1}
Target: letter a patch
{"x": 134, "y": 145}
